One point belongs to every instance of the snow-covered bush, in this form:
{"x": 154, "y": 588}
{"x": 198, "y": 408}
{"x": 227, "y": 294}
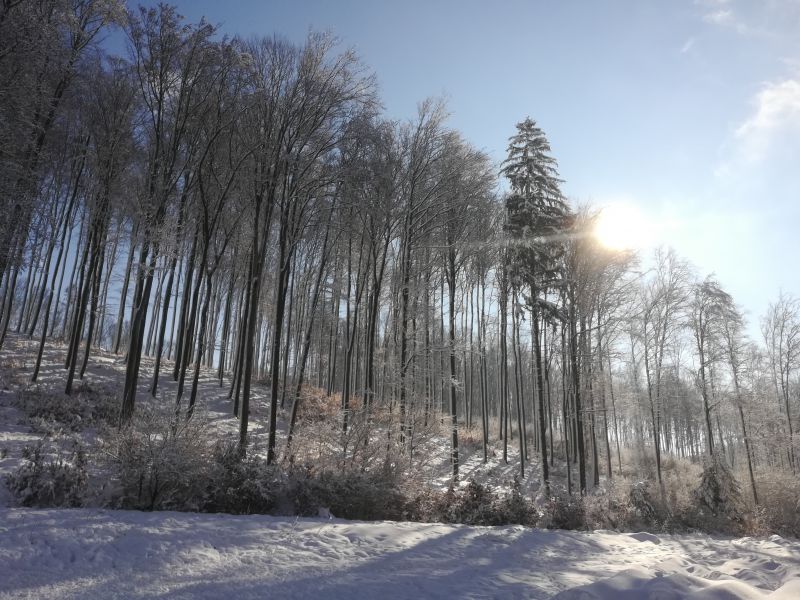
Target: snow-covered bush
{"x": 240, "y": 485}
{"x": 642, "y": 502}
{"x": 474, "y": 504}
{"x": 565, "y": 512}
{"x": 757, "y": 522}
{"x": 159, "y": 461}
{"x": 350, "y": 494}
{"x": 516, "y": 509}
{"x": 628, "y": 505}
{"x": 46, "y": 480}
{"x": 99, "y": 407}
{"x": 780, "y": 493}
{"x": 607, "y": 507}
{"x": 315, "y": 405}
{"x": 49, "y": 412}
{"x": 370, "y": 444}
{"x": 719, "y": 492}
{"x": 711, "y": 501}
{"x": 470, "y": 439}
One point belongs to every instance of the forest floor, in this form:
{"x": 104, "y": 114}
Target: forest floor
{"x": 93, "y": 553}
{"x": 105, "y": 376}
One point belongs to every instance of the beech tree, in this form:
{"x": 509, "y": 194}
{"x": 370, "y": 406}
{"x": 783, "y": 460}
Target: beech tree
{"x": 41, "y": 48}
{"x": 468, "y": 187}
{"x": 781, "y": 330}
{"x": 171, "y": 62}
{"x": 711, "y": 308}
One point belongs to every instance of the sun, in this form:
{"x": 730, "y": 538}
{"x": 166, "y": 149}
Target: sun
{"x": 622, "y": 227}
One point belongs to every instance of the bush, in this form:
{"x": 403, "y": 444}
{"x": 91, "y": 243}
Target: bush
{"x": 97, "y": 407}
{"x": 719, "y": 491}
{"x": 642, "y": 503}
{"x": 780, "y": 491}
{"x": 625, "y": 505}
{"x": 565, "y": 512}
{"x": 317, "y": 406}
{"x": 515, "y": 508}
{"x": 43, "y": 481}
{"x": 159, "y": 461}
{"x": 757, "y": 522}
{"x": 347, "y": 494}
{"x": 238, "y": 485}
{"x": 474, "y": 504}
{"x": 49, "y": 411}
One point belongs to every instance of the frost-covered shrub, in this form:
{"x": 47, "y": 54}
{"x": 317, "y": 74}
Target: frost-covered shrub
{"x": 476, "y": 504}
{"x": 49, "y": 412}
{"x": 44, "y": 480}
{"x": 98, "y": 407}
{"x": 626, "y": 505}
{"x": 642, "y": 502}
{"x": 757, "y": 522}
{"x": 470, "y": 439}
{"x": 316, "y": 405}
{"x": 606, "y": 508}
{"x": 716, "y": 503}
{"x": 565, "y": 512}
{"x": 514, "y": 508}
{"x": 645, "y": 508}
{"x": 365, "y": 446}
{"x": 347, "y": 495}
{"x": 780, "y": 492}
{"x": 159, "y": 461}
{"x": 240, "y": 485}
{"x": 719, "y": 492}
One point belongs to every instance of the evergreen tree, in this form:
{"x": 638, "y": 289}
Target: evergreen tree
{"x": 536, "y": 216}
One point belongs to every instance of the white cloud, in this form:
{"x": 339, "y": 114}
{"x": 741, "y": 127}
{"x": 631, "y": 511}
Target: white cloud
{"x": 722, "y": 16}
{"x": 777, "y": 112}
{"x": 765, "y": 19}
{"x": 687, "y": 45}
{"x": 721, "y": 13}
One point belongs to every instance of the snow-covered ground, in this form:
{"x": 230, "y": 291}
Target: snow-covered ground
{"x": 121, "y": 554}
{"x": 106, "y": 373}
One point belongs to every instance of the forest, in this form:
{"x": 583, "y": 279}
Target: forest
{"x": 240, "y": 215}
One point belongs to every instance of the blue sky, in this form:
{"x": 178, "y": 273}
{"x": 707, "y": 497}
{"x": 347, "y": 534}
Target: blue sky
{"x": 687, "y": 110}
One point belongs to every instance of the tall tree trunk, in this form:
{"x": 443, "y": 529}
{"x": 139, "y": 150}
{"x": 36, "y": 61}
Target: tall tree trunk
{"x": 537, "y": 354}
{"x": 451, "y": 288}
{"x": 124, "y": 293}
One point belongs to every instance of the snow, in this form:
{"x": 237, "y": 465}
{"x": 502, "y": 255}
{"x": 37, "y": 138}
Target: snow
{"x": 106, "y": 373}
{"x": 92, "y": 553}
{"x": 124, "y": 554}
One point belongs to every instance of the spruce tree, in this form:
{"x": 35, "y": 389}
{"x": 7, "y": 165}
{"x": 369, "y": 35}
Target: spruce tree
{"x": 536, "y": 216}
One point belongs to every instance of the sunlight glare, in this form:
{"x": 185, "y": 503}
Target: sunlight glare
{"x": 622, "y": 227}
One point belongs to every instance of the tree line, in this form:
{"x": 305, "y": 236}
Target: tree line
{"x": 243, "y": 207}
